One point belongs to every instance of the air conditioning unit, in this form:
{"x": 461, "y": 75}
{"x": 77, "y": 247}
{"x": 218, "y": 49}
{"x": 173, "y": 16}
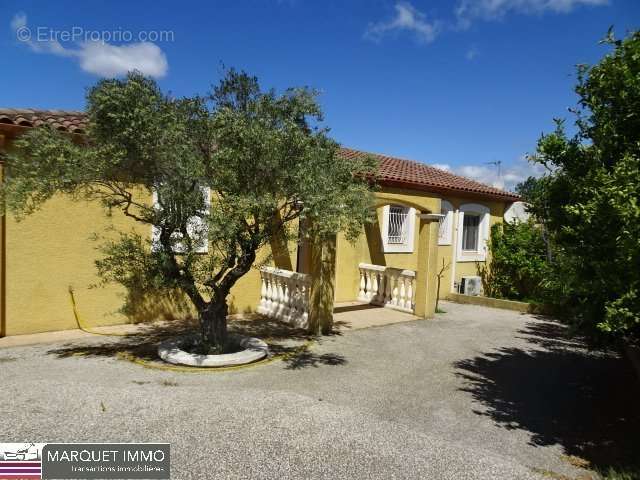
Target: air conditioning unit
{"x": 471, "y": 285}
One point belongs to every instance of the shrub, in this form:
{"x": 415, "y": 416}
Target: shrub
{"x": 589, "y": 201}
{"x": 519, "y": 265}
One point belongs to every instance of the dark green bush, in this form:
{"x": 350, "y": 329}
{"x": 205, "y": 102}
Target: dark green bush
{"x": 589, "y": 202}
{"x": 519, "y": 268}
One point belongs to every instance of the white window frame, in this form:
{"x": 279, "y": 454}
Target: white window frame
{"x": 479, "y": 255}
{"x": 407, "y": 246}
{"x": 445, "y": 230}
{"x": 196, "y": 224}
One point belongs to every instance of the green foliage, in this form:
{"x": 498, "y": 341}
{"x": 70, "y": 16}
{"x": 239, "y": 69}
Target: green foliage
{"x": 519, "y": 266}
{"x": 266, "y": 159}
{"x": 613, "y": 473}
{"x": 589, "y": 203}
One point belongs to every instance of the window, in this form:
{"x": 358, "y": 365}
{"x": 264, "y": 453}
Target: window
{"x": 470, "y": 231}
{"x": 446, "y": 224}
{"x": 196, "y": 226}
{"x": 397, "y": 225}
{"x": 398, "y": 229}
{"x": 473, "y": 232}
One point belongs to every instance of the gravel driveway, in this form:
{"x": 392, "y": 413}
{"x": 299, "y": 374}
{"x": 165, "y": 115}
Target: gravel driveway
{"x": 476, "y": 393}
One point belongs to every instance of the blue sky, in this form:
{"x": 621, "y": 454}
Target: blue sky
{"x": 455, "y": 83}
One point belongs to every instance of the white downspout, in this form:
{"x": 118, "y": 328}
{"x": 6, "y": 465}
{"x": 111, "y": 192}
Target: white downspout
{"x": 454, "y": 253}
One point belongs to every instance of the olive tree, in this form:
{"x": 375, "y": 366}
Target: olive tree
{"x": 228, "y": 172}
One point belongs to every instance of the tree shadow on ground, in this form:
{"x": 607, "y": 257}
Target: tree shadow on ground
{"x": 305, "y": 358}
{"x": 561, "y": 393}
{"x": 283, "y": 339}
{"x": 142, "y": 344}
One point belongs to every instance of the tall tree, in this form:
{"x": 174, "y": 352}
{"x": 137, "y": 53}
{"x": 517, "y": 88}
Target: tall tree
{"x": 590, "y": 204}
{"x": 228, "y": 172}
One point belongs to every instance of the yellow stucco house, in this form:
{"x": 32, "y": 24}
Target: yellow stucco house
{"x": 430, "y": 222}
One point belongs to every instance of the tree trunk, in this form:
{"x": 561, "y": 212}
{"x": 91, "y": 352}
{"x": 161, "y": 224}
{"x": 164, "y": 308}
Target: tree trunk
{"x": 213, "y": 324}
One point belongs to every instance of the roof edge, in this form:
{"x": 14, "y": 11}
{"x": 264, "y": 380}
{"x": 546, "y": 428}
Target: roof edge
{"x": 14, "y": 122}
{"x": 460, "y": 192}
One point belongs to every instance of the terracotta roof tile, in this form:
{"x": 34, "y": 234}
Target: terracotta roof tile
{"x": 400, "y": 172}
{"x": 393, "y": 171}
{"x": 68, "y": 121}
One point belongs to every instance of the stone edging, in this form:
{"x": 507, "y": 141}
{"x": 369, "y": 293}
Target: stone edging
{"x": 171, "y": 351}
{"x": 491, "y": 302}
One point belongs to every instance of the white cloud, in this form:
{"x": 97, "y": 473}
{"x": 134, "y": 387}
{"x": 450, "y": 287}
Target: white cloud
{"x": 109, "y": 60}
{"x": 469, "y": 10}
{"x": 101, "y": 58}
{"x": 508, "y": 177}
{"x": 442, "y": 166}
{"x": 407, "y": 18}
{"x": 19, "y": 20}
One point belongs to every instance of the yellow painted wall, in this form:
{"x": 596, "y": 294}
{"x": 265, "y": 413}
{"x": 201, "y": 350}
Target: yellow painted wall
{"x": 445, "y": 252}
{"x": 53, "y": 250}
{"x": 368, "y": 247}
{"x": 47, "y": 253}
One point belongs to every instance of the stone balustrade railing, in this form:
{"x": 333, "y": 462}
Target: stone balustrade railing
{"x": 284, "y": 295}
{"x": 386, "y": 286}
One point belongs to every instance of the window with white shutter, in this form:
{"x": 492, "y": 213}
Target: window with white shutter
{"x": 473, "y": 232}
{"x": 445, "y": 230}
{"x": 197, "y": 227}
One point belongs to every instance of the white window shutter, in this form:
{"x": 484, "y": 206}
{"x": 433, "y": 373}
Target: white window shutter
{"x": 197, "y": 226}
{"x": 155, "y": 231}
{"x": 445, "y": 231}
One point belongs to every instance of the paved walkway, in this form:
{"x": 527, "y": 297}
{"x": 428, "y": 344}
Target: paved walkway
{"x": 357, "y": 315}
{"x": 476, "y": 393}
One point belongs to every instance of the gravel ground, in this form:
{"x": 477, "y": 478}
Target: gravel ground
{"x": 476, "y": 393}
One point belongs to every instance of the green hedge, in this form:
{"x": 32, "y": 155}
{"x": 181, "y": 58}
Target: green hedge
{"x": 519, "y": 267}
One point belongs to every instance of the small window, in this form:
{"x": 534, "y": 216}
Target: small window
{"x": 473, "y": 232}
{"x": 470, "y": 232}
{"x": 398, "y": 225}
{"x": 398, "y": 229}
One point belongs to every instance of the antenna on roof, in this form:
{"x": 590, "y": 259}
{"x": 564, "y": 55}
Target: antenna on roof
{"x": 498, "y": 165}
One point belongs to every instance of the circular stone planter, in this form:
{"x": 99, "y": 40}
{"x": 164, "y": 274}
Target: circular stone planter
{"x": 171, "y": 351}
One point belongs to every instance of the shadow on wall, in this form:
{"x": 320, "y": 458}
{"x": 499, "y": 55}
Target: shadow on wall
{"x": 374, "y": 242}
{"x": 280, "y": 253}
{"x": 143, "y": 306}
{"x": 561, "y": 393}
{"x": 140, "y": 306}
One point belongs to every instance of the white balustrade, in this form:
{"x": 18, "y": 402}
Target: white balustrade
{"x": 284, "y": 295}
{"x": 387, "y": 286}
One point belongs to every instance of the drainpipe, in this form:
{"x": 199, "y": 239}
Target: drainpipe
{"x": 454, "y": 253}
